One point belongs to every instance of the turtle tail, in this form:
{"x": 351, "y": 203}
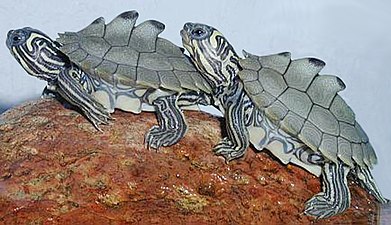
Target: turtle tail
{"x": 368, "y": 182}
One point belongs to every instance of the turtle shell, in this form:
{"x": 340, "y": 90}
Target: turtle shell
{"x": 307, "y": 106}
{"x": 127, "y": 56}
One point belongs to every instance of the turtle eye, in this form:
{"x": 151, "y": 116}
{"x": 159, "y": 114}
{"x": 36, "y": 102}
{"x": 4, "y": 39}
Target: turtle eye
{"x": 198, "y": 33}
{"x": 16, "y": 38}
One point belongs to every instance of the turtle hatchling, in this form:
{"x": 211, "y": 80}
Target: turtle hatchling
{"x": 285, "y": 106}
{"x": 115, "y": 65}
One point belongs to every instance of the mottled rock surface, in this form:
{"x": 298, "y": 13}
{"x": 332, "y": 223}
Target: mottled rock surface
{"x": 55, "y": 168}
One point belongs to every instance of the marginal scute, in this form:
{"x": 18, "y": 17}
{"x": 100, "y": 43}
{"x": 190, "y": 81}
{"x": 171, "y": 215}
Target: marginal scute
{"x": 69, "y": 48}
{"x": 272, "y": 81}
{"x": 361, "y": 132}
{"x": 301, "y": 72}
{"x": 278, "y": 62}
{"x": 144, "y": 35}
{"x": 324, "y": 88}
{"x": 310, "y": 135}
{"x": 125, "y": 82}
{"x": 200, "y": 82}
{"x": 126, "y": 76}
{"x": 185, "y": 79}
{"x": 119, "y": 29}
{"x": 345, "y": 151}
{"x": 246, "y": 54}
{"x": 95, "y": 29}
{"x": 250, "y": 63}
{"x": 342, "y": 111}
{"x": 105, "y": 70}
{"x": 90, "y": 62}
{"x": 248, "y": 75}
{"x": 365, "y": 150}
{"x": 182, "y": 64}
{"x": 292, "y": 123}
{"x": 147, "y": 77}
{"x": 169, "y": 80}
{"x": 263, "y": 99}
{"x": 78, "y": 55}
{"x": 372, "y": 155}
{"x": 357, "y": 154}
{"x": 349, "y": 132}
{"x": 296, "y": 101}
{"x": 253, "y": 87}
{"x": 329, "y": 147}
{"x": 324, "y": 120}
{"x": 67, "y": 38}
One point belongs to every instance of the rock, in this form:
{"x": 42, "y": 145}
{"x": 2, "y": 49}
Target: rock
{"x": 55, "y": 168}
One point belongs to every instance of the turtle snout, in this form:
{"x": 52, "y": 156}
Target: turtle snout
{"x": 8, "y": 42}
{"x": 185, "y": 32}
{"x": 188, "y": 26}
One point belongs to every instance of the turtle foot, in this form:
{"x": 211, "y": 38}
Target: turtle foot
{"x": 335, "y": 197}
{"x": 320, "y": 207}
{"x": 158, "y": 137}
{"x": 229, "y": 150}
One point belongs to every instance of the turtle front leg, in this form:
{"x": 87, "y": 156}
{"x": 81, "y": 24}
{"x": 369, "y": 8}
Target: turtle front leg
{"x": 237, "y": 142}
{"x": 172, "y": 124}
{"x": 335, "y": 195}
{"x": 50, "y": 92}
{"x": 69, "y": 88}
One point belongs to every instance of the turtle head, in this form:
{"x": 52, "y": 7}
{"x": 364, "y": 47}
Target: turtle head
{"x": 36, "y": 52}
{"x": 210, "y": 51}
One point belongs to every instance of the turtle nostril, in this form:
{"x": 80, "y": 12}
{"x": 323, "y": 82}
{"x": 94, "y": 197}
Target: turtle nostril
{"x": 187, "y": 27}
{"x": 10, "y": 33}
{"x": 9, "y": 37}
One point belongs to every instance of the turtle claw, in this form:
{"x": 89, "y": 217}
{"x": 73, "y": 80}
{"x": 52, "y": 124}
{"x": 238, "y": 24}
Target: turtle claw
{"x": 158, "y": 137}
{"x": 335, "y": 197}
{"x": 47, "y": 94}
{"x": 98, "y": 117}
{"x": 49, "y": 91}
{"x": 319, "y": 207}
{"x": 228, "y": 150}
{"x": 99, "y": 121}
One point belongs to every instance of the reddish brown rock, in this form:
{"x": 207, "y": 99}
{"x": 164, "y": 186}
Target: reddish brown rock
{"x": 55, "y": 168}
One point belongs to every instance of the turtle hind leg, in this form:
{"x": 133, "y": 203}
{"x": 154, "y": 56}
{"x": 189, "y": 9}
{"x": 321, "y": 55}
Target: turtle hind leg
{"x": 172, "y": 125}
{"x": 367, "y": 182}
{"x": 335, "y": 195}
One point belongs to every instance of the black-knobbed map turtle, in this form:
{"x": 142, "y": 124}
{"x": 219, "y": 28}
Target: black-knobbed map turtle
{"x": 285, "y": 106}
{"x": 115, "y": 65}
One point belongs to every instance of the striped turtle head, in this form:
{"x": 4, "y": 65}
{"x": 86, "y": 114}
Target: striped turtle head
{"x": 210, "y": 51}
{"x": 36, "y": 52}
